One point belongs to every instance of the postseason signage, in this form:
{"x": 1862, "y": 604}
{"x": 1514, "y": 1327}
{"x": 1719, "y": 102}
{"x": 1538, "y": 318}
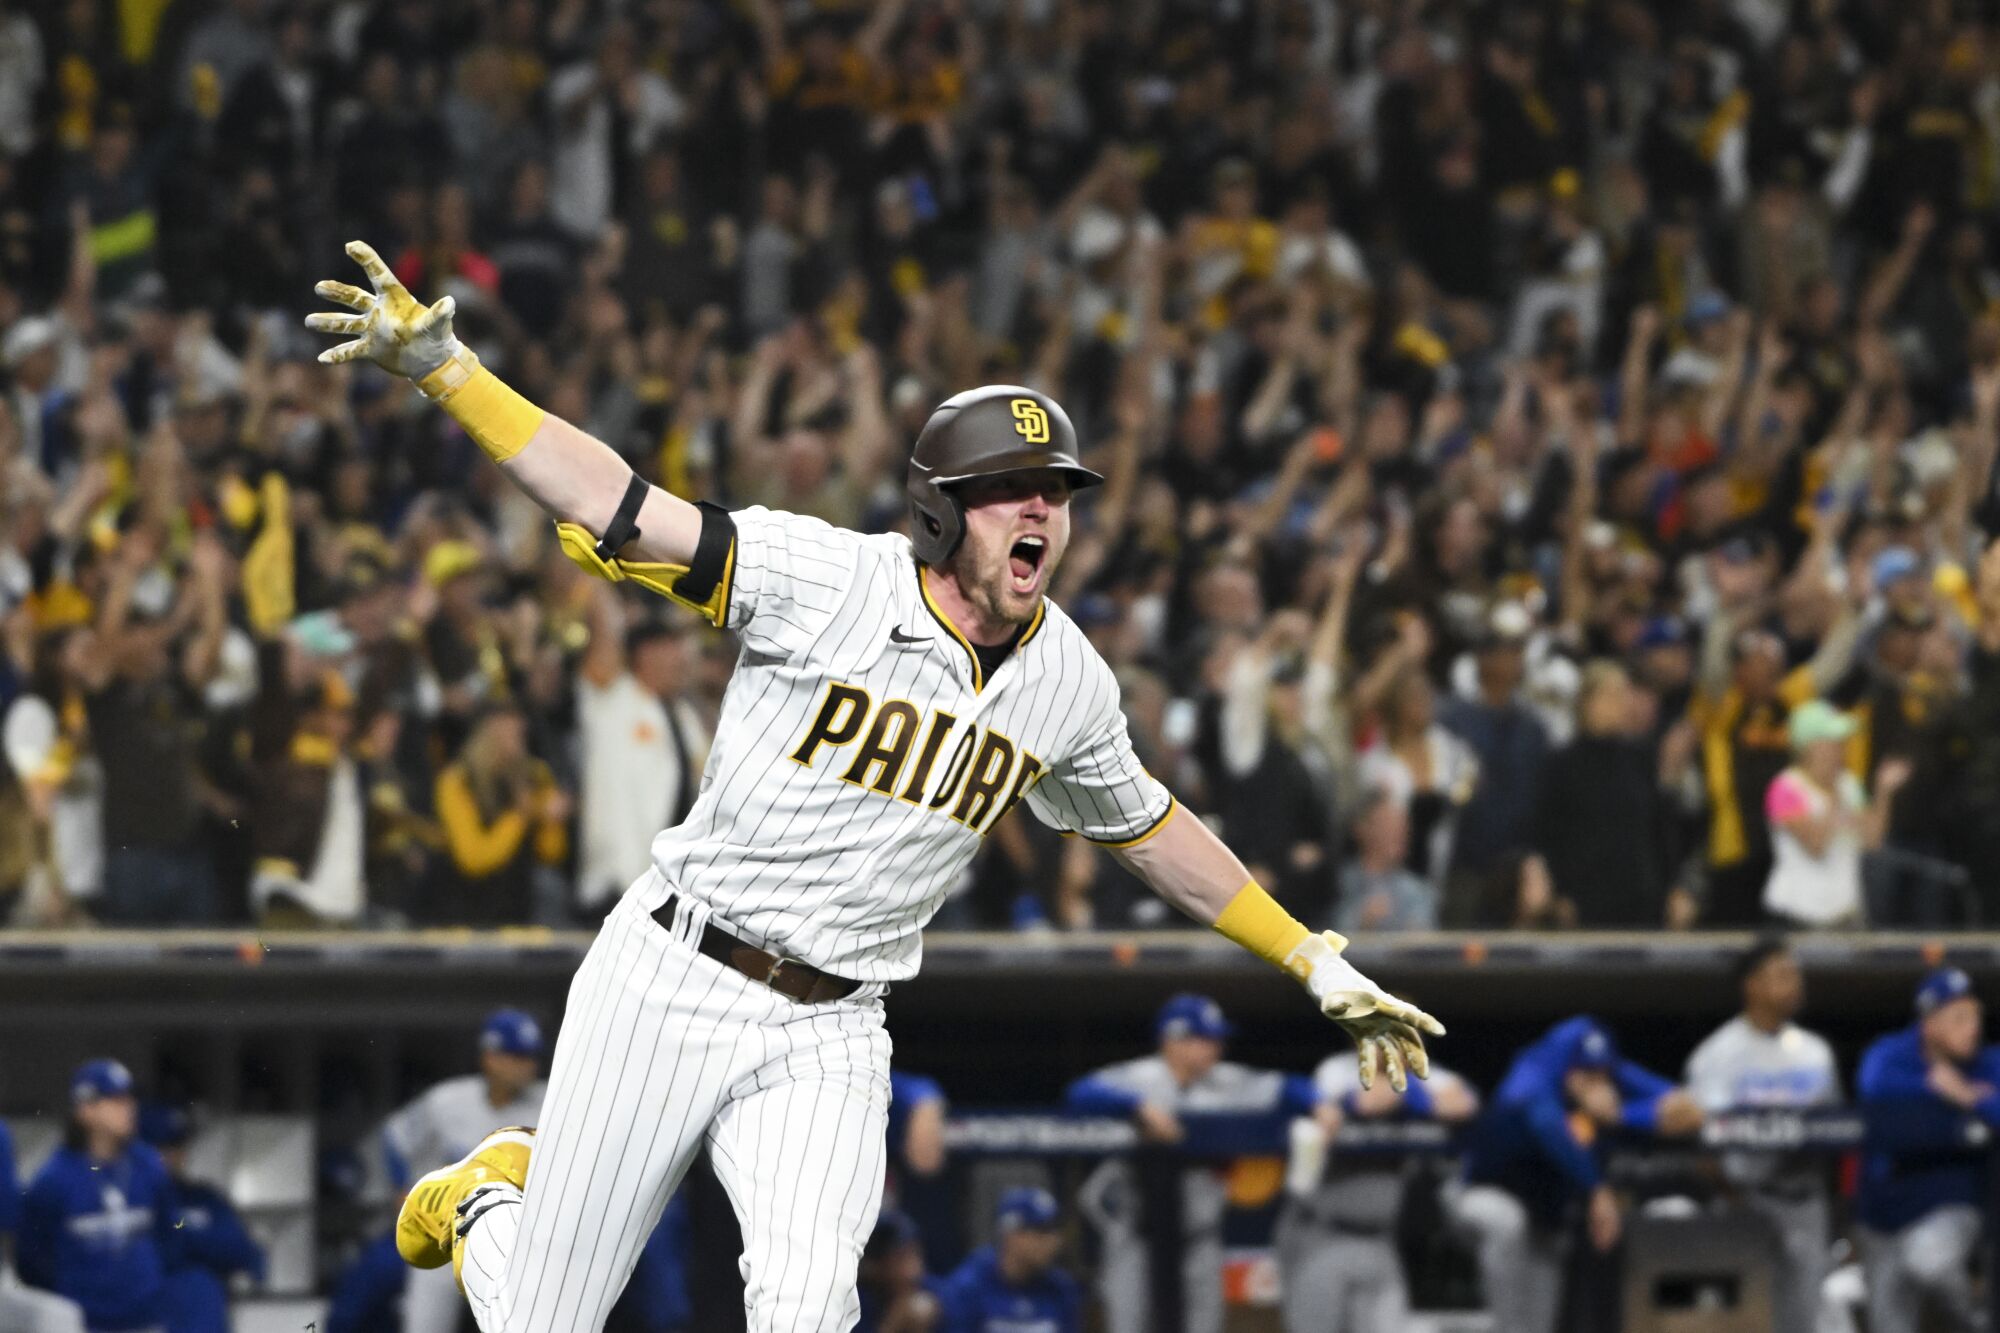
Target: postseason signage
{"x": 1052, "y": 1133}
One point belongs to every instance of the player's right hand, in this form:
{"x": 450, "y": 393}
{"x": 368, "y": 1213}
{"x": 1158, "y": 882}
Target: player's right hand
{"x": 391, "y": 327}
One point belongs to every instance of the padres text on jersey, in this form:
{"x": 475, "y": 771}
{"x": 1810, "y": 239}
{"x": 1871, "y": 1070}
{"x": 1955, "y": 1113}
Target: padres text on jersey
{"x": 862, "y": 754}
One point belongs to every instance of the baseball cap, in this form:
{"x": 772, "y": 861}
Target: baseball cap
{"x": 1818, "y": 720}
{"x": 511, "y": 1032}
{"x": 1026, "y": 1208}
{"x": 1191, "y": 1015}
{"x": 1094, "y": 610}
{"x": 1096, "y": 234}
{"x": 164, "y": 1125}
{"x": 893, "y": 1230}
{"x": 1940, "y": 988}
{"x": 1894, "y": 564}
{"x": 360, "y": 574}
{"x": 449, "y": 559}
{"x": 1663, "y": 632}
{"x": 1594, "y": 1049}
{"x": 1739, "y": 550}
{"x": 1507, "y": 625}
{"x": 98, "y": 1079}
{"x": 1707, "y": 307}
{"x": 27, "y": 336}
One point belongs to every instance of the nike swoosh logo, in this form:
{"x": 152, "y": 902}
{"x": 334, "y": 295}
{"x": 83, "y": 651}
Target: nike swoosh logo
{"x": 896, "y": 635}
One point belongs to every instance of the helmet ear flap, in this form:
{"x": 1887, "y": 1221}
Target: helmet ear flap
{"x": 936, "y": 528}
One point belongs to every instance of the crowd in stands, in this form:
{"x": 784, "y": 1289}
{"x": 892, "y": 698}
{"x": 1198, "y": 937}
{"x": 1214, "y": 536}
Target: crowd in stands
{"x": 1550, "y": 447}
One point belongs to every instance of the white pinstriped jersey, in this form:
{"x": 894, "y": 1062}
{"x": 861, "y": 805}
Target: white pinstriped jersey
{"x": 861, "y": 756}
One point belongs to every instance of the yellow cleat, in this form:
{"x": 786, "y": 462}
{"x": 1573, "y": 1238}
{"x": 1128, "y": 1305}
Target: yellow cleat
{"x": 427, "y": 1227}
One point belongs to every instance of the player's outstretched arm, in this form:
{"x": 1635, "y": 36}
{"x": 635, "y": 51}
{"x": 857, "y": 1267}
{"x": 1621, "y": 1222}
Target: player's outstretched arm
{"x": 574, "y": 476}
{"x": 1188, "y": 866}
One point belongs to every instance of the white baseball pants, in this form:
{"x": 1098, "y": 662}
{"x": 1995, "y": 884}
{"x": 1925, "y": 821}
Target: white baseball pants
{"x": 661, "y": 1050}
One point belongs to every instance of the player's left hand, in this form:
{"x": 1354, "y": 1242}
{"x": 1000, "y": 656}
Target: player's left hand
{"x": 391, "y": 328}
{"x": 1387, "y": 1032}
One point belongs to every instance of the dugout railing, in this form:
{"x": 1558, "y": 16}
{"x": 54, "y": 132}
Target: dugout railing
{"x": 1659, "y": 1166}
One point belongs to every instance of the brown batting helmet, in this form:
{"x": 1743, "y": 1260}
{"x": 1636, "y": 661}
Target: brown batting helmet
{"x": 983, "y": 432}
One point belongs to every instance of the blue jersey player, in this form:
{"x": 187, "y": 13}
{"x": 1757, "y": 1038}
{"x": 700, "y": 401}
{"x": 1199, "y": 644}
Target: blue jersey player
{"x": 1013, "y": 1285}
{"x": 1932, "y": 1094}
{"x": 96, "y": 1226}
{"x": 213, "y": 1243}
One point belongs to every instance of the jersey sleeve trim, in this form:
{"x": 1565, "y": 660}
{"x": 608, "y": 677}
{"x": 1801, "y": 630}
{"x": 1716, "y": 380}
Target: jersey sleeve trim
{"x": 1151, "y": 829}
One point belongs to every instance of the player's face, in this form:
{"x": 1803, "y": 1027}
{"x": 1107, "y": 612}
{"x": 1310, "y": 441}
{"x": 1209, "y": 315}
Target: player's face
{"x": 509, "y": 1074}
{"x": 1191, "y": 1057}
{"x": 1954, "y": 1031}
{"x": 1824, "y": 760}
{"x": 1031, "y": 1250}
{"x": 1779, "y": 985}
{"x": 1016, "y": 529}
{"x": 114, "y": 1117}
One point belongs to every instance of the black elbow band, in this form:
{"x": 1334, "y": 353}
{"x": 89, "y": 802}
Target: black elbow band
{"x": 624, "y": 525}
{"x": 711, "y": 553}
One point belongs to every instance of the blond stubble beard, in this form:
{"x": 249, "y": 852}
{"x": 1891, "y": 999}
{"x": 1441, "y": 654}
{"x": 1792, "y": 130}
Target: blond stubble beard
{"x": 984, "y": 581}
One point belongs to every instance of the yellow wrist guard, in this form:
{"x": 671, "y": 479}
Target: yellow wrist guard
{"x": 1254, "y": 920}
{"x": 501, "y": 420}
{"x": 581, "y": 547}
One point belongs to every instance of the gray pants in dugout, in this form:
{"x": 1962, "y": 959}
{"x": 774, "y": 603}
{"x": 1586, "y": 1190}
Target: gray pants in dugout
{"x": 1122, "y": 1282}
{"x": 1802, "y": 1228}
{"x": 1520, "y": 1266}
{"x": 25, "y": 1310}
{"x": 1925, "y": 1266}
{"x": 1338, "y": 1281}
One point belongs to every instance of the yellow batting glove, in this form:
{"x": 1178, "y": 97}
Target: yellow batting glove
{"x": 391, "y": 327}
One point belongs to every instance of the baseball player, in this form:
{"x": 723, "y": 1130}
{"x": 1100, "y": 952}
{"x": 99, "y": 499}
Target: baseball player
{"x": 1761, "y": 1058}
{"x": 23, "y": 1310}
{"x": 214, "y": 1245}
{"x": 1529, "y": 1161}
{"x": 1186, "y": 1076}
{"x": 1923, "y": 1177}
{"x": 96, "y": 1226}
{"x": 449, "y": 1121}
{"x": 1338, "y": 1263}
{"x": 893, "y": 698}
{"x": 1013, "y": 1285}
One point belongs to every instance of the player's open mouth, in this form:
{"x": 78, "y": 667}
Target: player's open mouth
{"x": 1024, "y": 562}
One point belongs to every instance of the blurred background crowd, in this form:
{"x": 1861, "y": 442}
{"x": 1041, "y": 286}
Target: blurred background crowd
{"x": 1550, "y": 446}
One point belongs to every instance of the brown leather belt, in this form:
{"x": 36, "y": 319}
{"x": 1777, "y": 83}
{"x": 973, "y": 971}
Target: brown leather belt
{"x": 787, "y": 976}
